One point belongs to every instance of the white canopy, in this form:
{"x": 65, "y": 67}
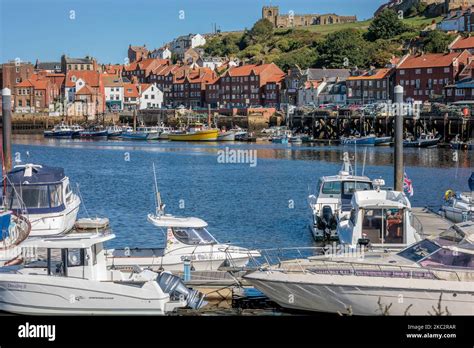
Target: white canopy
{"x": 73, "y": 240}
{"x": 173, "y": 221}
{"x": 381, "y": 199}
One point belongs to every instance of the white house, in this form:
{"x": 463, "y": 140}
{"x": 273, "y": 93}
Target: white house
{"x": 114, "y": 95}
{"x": 151, "y": 97}
{"x": 161, "y": 53}
{"x": 182, "y": 43}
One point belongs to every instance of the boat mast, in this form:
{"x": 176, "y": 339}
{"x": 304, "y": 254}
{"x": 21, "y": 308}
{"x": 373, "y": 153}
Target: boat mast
{"x": 160, "y": 207}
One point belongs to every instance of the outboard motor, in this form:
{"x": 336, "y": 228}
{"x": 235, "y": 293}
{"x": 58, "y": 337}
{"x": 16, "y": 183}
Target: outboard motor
{"x": 327, "y": 222}
{"x": 174, "y": 286}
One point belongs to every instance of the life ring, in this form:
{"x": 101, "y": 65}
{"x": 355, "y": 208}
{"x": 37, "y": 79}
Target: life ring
{"x": 449, "y": 194}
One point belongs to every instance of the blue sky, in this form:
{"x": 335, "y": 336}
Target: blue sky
{"x": 45, "y": 29}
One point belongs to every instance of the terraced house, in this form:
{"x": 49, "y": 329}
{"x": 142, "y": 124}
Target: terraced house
{"x": 425, "y": 76}
{"x": 246, "y": 85}
{"x": 375, "y": 85}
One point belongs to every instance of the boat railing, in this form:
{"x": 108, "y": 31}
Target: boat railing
{"x": 276, "y": 256}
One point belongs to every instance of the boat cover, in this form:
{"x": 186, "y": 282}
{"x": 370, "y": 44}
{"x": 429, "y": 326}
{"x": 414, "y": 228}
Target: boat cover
{"x": 35, "y": 174}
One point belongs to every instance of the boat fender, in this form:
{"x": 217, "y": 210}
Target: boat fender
{"x": 13, "y": 262}
{"x": 449, "y": 194}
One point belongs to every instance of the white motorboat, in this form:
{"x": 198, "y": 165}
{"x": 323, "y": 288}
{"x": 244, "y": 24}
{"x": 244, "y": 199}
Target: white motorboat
{"x": 226, "y": 136}
{"x": 432, "y": 277}
{"x": 187, "y": 239}
{"x": 380, "y": 219}
{"x": 74, "y": 280}
{"x": 14, "y": 230}
{"x": 458, "y": 207}
{"x": 76, "y": 130}
{"x": 43, "y": 195}
{"x": 60, "y": 131}
{"x": 334, "y": 199}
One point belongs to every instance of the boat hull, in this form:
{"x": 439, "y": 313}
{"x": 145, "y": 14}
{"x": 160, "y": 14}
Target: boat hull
{"x": 383, "y": 141}
{"x": 228, "y": 136}
{"x": 364, "y": 295}
{"x": 205, "y": 135}
{"x": 365, "y": 141}
{"x": 462, "y": 146}
{"x": 134, "y": 136}
{"x": 68, "y": 296}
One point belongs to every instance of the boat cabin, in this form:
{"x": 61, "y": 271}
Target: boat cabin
{"x": 180, "y": 230}
{"x": 37, "y": 189}
{"x": 378, "y": 217}
{"x": 73, "y": 255}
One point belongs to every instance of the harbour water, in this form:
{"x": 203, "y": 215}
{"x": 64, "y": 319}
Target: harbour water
{"x": 261, "y": 206}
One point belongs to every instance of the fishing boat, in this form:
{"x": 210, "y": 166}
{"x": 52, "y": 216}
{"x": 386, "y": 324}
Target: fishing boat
{"x": 60, "y": 131}
{"x": 295, "y": 139}
{"x": 165, "y": 132}
{"x": 458, "y": 144}
{"x": 94, "y": 133}
{"x": 434, "y": 276}
{"x": 425, "y": 140}
{"x": 76, "y": 129}
{"x": 280, "y": 139}
{"x": 43, "y": 195}
{"x": 14, "y": 230}
{"x": 240, "y": 134}
{"x": 197, "y": 132}
{"x": 379, "y": 219}
{"x": 187, "y": 240}
{"x": 368, "y": 140}
{"x": 226, "y": 136}
{"x": 152, "y": 133}
{"x": 333, "y": 199}
{"x": 459, "y": 207}
{"x": 134, "y": 135}
{"x": 73, "y": 279}
{"x": 114, "y": 131}
{"x": 383, "y": 141}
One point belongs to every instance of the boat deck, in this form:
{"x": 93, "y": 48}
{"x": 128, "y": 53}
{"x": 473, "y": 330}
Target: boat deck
{"x": 431, "y": 223}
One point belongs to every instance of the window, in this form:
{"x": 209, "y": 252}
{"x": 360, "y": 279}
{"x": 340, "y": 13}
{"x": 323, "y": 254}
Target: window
{"x": 193, "y": 236}
{"x": 146, "y": 96}
{"x": 75, "y": 257}
{"x": 383, "y": 225}
{"x": 402, "y": 72}
{"x": 447, "y": 70}
{"x": 417, "y": 71}
{"x": 419, "y": 251}
{"x": 18, "y": 80}
{"x": 429, "y": 71}
{"x": 331, "y": 188}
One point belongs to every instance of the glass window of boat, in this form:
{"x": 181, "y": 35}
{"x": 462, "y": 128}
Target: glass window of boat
{"x": 55, "y": 262}
{"x": 331, "y": 188}
{"x": 193, "y": 236}
{"x": 35, "y": 196}
{"x": 419, "y": 251}
{"x": 383, "y": 226}
{"x": 451, "y": 236}
{"x": 451, "y": 257}
{"x": 349, "y": 187}
{"x": 75, "y": 257}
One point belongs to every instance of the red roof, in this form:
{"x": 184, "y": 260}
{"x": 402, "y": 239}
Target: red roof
{"x": 377, "y": 75}
{"x": 463, "y": 43}
{"x": 86, "y": 90}
{"x": 130, "y": 90}
{"x": 92, "y": 78}
{"x": 428, "y": 60}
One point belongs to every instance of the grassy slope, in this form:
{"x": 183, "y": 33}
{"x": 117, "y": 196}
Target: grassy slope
{"x": 418, "y": 22}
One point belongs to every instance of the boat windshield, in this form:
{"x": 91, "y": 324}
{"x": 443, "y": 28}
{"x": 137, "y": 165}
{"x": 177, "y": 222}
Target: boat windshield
{"x": 450, "y": 237}
{"x": 193, "y": 236}
{"x": 449, "y": 257}
{"x": 34, "y": 196}
{"x": 419, "y": 251}
{"x": 347, "y": 188}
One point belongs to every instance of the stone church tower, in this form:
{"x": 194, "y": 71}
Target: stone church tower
{"x": 271, "y": 13}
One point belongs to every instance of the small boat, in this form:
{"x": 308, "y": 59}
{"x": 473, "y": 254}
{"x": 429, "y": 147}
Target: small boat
{"x": 425, "y": 140}
{"x": 73, "y": 279}
{"x": 281, "y": 139}
{"x": 458, "y": 208}
{"x": 226, "y": 136}
{"x": 333, "y": 200}
{"x": 196, "y": 133}
{"x": 76, "y": 129}
{"x": 94, "y": 132}
{"x": 296, "y": 139}
{"x": 368, "y": 140}
{"x": 152, "y": 133}
{"x": 91, "y": 223}
{"x": 114, "y": 131}
{"x": 60, "y": 131}
{"x": 44, "y": 197}
{"x": 383, "y": 141}
{"x": 165, "y": 132}
{"x": 240, "y": 134}
{"x": 134, "y": 135}
{"x": 15, "y": 229}
{"x": 187, "y": 239}
{"x": 458, "y": 144}
{"x": 431, "y": 277}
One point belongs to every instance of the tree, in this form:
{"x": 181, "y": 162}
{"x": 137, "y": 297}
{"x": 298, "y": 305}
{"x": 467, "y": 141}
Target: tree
{"x": 436, "y": 41}
{"x": 385, "y": 26}
{"x": 343, "y": 49}
{"x": 261, "y": 31}
{"x": 381, "y": 51}
{"x": 304, "y": 57}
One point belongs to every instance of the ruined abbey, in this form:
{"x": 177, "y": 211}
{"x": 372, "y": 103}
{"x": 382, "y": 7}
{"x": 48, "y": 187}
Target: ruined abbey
{"x": 272, "y": 13}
